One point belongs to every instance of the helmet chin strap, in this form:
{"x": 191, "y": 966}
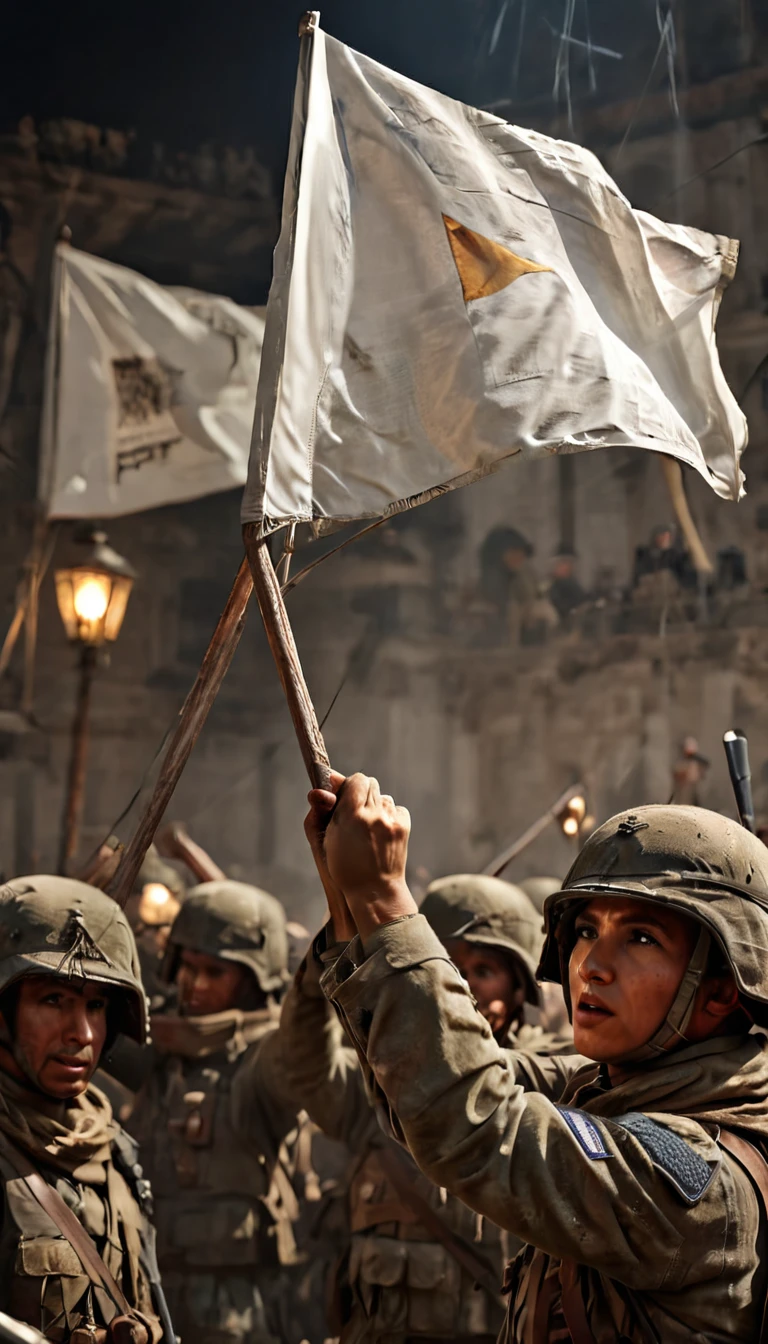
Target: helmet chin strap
{"x": 671, "y": 1033}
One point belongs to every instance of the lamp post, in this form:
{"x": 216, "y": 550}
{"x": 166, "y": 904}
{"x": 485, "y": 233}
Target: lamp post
{"x": 92, "y": 597}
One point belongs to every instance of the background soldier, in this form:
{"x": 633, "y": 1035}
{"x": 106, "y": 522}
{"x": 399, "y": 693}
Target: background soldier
{"x": 420, "y": 1266}
{"x": 211, "y": 1124}
{"x": 76, "y": 1248}
{"x": 494, "y": 936}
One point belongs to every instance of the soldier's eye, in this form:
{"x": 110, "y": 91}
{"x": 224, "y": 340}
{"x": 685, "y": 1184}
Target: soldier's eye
{"x": 585, "y": 931}
{"x": 644, "y": 938}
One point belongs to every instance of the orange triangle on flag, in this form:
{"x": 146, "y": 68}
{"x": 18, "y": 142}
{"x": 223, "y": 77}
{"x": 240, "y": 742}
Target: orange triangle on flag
{"x": 484, "y": 267}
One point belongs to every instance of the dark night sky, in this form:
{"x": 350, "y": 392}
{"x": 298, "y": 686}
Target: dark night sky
{"x": 184, "y": 71}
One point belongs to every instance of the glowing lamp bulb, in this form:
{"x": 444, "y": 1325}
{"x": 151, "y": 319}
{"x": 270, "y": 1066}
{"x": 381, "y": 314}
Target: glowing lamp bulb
{"x": 156, "y": 893}
{"x": 91, "y": 599}
{"x": 578, "y": 807}
{"x": 571, "y": 826}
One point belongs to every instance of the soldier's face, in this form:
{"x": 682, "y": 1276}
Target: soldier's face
{"x": 58, "y": 1034}
{"x": 492, "y": 980}
{"x": 208, "y": 984}
{"x": 625, "y": 970}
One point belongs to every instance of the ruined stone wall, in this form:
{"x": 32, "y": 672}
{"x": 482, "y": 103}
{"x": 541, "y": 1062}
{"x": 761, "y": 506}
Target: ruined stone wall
{"x": 476, "y": 733}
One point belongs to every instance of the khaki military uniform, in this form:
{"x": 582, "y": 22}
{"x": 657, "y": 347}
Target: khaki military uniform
{"x": 64, "y": 928}
{"x": 210, "y": 1134}
{"x": 398, "y": 1281}
{"x": 673, "y": 1236}
{"x": 641, "y": 1222}
{"x": 218, "y": 1132}
{"x": 93, "y": 1166}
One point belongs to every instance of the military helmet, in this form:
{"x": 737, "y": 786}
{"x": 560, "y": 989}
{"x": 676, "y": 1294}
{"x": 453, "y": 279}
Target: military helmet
{"x": 155, "y": 869}
{"x": 537, "y": 889}
{"x": 59, "y": 926}
{"x": 691, "y": 860}
{"x": 236, "y": 922}
{"x": 489, "y": 913}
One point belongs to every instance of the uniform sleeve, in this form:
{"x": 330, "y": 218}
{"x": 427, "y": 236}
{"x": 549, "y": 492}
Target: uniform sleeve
{"x": 480, "y": 1124}
{"x": 263, "y": 1111}
{"x": 310, "y": 1056}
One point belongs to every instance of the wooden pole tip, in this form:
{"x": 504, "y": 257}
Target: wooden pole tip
{"x": 308, "y": 22}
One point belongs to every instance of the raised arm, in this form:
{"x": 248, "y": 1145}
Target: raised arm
{"x": 578, "y": 1185}
{"x": 310, "y": 1059}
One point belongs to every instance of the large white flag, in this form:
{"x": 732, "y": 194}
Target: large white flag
{"x": 152, "y": 391}
{"x": 451, "y": 291}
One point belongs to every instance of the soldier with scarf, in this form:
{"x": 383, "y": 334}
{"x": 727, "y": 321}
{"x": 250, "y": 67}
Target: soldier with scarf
{"x": 213, "y": 1118}
{"x": 636, "y": 1175}
{"x": 76, "y": 1247}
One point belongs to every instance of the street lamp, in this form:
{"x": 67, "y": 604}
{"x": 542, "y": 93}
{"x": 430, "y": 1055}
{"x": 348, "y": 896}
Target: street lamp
{"x": 92, "y": 597}
{"x": 571, "y": 817}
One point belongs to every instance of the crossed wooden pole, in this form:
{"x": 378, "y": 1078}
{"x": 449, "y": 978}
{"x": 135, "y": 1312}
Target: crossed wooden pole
{"x": 256, "y": 574}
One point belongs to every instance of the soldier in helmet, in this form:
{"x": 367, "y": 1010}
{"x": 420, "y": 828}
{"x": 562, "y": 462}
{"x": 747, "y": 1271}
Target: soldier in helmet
{"x": 76, "y": 1248}
{"x": 420, "y": 1265}
{"x": 637, "y": 1176}
{"x": 210, "y": 1122}
{"x": 537, "y": 889}
{"x": 494, "y": 937}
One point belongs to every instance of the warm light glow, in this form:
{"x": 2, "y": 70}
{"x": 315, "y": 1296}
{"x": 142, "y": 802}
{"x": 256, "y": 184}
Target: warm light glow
{"x": 91, "y": 597}
{"x": 156, "y": 893}
{"x": 157, "y": 905}
{"x": 570, "y": 826}
{"x": 577, "y": 807}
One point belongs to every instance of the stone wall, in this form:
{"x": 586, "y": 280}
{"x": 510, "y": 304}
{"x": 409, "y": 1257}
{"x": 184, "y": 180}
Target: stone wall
{"x": 474, "y": 731}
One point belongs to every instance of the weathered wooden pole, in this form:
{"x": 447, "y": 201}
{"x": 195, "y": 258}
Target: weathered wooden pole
{"x": 194, "y": 713}
{"x": 285, "y": 654}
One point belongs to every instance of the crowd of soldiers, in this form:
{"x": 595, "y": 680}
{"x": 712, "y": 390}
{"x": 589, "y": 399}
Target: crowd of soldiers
{"x": 462, "y": 1122}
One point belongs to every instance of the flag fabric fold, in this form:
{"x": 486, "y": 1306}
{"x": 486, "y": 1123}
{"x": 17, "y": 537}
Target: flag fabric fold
{"x": 451, "y": 291}
{"x": 153, "y": 391}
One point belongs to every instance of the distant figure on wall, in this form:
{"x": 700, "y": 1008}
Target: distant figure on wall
{"x": 565, "y": 592}
{"x": 665, "y": 555}
{"x": 689, "y": 774}
{"x": 508, "y": 585}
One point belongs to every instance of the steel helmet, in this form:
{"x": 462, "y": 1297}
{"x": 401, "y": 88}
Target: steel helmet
{"x": 59, "y": 926}
{"x": 236, "y": 922}
{"x": 489, "y": 913}
{"x": 537, "y": 889}
{"x": 691, "y": 860}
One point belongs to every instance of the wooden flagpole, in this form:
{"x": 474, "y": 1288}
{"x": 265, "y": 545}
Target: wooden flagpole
{"x": 194, "y": 713}
{"x": 255, "y": 574}
{"x": 285, "y": 654}
{"x": 274, "y": 615}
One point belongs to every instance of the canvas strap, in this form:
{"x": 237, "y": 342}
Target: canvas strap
{"x": 402, "y": 1177}
{"x": 751, "y": 1159}
{"x": 69, "y": 1226}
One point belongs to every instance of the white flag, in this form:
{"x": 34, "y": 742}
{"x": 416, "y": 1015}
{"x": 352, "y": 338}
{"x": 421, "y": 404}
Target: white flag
{"x": 152, "y": 392}
{"x": 451, "y": 291}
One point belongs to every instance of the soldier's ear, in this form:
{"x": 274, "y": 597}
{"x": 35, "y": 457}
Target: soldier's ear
{"x": 720, "y": 996}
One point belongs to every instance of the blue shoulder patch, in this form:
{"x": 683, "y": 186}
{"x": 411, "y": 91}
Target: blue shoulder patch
{"x": 585, "y": 1131}
{"x": 684, "y": 1168}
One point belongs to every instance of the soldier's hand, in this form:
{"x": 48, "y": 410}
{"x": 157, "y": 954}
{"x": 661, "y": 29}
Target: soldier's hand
{"x": 321, "y": 805}
{"x": 366, "y": 850}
